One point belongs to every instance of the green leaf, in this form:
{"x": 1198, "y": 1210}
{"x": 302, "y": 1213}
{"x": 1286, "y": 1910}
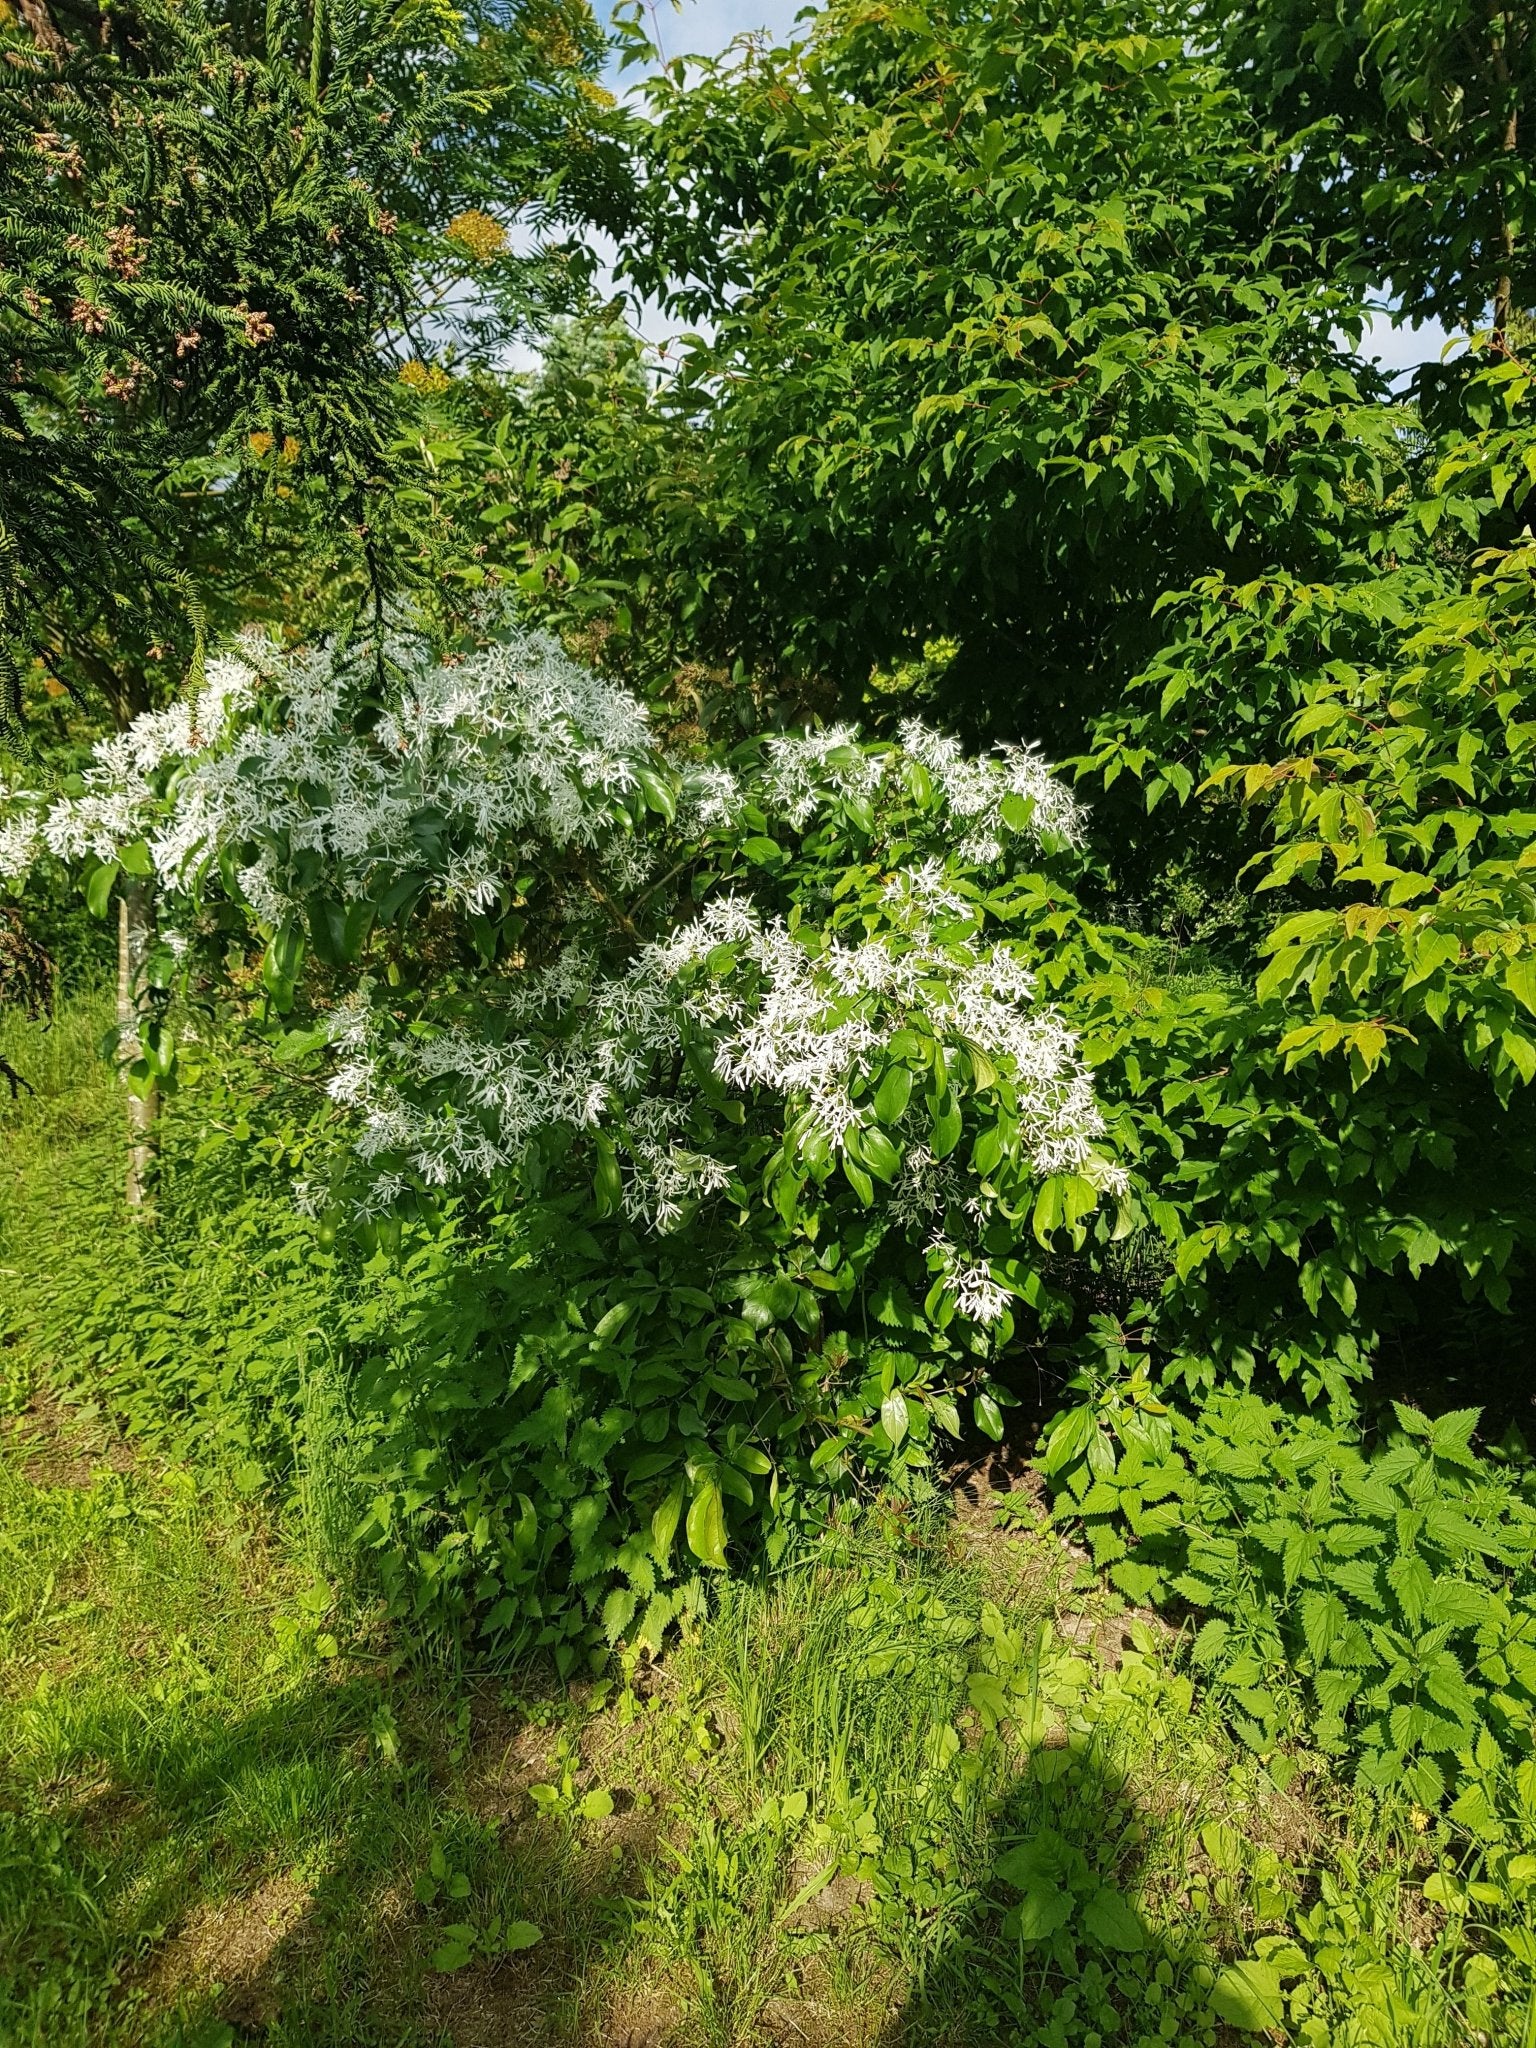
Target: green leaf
{"x": 664, "y": 1524}
{"x": 880, "y": 1155}
{"x": 893, "y": 1414}
{"x": 597, "y": 1805}
{"x": 944, "y": 1132}
{"x": 659, "y": 794}
{"x": 944, "y": 1413}
{"x": 1040, "y": 1912}
{"x": 1247, "y": 1995}
{"x": 1520, "y": 979}
{"x": 456, "y": 1951}
{"x": 893, "y": 1094}
{"x": 706, "y": 1525}
{"x": 1111, "y": 1920}
{"x": 520, "y": 1934}
{"x": 989, "y": 1417}
{"x": 98, "y": 890}
{"x": 607, "y": 1181}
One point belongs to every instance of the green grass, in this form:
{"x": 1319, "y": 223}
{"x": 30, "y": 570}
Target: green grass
{"x": 232, "y": 1809}
{"x": 925, "y": 1784}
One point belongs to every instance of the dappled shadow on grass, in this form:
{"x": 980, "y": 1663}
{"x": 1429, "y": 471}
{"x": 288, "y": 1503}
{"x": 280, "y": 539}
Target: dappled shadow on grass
{"x": 1056, "y": 1948}
{"x": 826, "y": 1811}
{"x": 218, "y": 1827}
{"x": 215, "y": 1880}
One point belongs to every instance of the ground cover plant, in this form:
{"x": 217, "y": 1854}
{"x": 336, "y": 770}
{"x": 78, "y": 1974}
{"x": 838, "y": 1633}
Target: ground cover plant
{"x": 817, "y": 1101}
{"x": 907, "y": 1789}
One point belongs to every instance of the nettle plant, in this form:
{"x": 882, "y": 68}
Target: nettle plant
{"x": 723, "y": 1084}
{"x": 1382, "y": 1596}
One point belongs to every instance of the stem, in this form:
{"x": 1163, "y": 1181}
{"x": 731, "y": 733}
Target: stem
{"x": 135, "y": 926}
{"x": 604, "y": 901}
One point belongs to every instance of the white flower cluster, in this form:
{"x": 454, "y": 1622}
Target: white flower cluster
{"x": 976, "y": 787}
{"x": 976, "y": 1293}
{"x": 800, "y": 772}
{"x": 120, "y": 801}
{"x": 810, "y": 1025}
{"x": 471, "y": 769}
{"x": 813, "y": 1021}
{"x": 468, "y": 764}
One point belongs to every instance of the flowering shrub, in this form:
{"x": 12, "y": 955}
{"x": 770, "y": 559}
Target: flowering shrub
{"x": 727, "y": 1080}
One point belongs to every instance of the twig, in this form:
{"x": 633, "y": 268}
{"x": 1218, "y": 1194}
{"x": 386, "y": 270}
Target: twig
{"x": 17, "y": 1081}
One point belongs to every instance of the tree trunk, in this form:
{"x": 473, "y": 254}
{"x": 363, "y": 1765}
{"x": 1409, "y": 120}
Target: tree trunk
{"x": 1503, "y": 290}
{"x": 135, "y": 929}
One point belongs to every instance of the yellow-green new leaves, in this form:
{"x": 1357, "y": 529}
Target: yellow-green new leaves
{"x": 1414, "y": 800}
{"x": 706, "y": 1524}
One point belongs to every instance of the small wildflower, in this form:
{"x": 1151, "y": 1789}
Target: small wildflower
{"x": 1420, "y": 1820}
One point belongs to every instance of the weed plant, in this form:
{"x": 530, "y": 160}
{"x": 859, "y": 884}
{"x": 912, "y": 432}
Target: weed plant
{"x": 910, "y": 1789}
{"x": 922, "y": 1783}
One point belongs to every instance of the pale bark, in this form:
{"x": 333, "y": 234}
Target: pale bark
{"x": 135, "y": 930}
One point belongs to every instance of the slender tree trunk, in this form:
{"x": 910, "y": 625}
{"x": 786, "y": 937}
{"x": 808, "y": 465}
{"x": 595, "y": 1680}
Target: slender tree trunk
{"x": 135, "y": 930}
{"x": 1504, "y": 290}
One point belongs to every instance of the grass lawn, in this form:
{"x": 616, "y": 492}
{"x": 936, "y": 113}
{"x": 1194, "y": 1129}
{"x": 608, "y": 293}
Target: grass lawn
{"x": 912, "y": 1789}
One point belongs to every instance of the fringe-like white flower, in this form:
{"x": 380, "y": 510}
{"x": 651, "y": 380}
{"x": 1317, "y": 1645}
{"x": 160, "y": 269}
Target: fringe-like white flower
{"x": 471, "y": 770}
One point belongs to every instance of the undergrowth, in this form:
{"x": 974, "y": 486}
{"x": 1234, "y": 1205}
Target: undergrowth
{"x": 910, "y": 1789}
{"x": 925, "y": 1782}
